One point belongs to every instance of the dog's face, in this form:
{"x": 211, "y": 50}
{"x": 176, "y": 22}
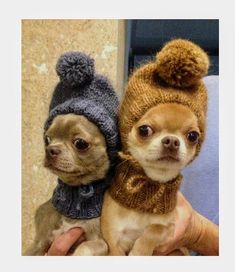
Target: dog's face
{"x": 75, "y": 150}
{"x": 164, "y": 140}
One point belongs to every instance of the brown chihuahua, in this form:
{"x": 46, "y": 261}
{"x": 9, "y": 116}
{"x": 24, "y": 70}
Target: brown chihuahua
{"x": 162, "y": 125}
{"x": 81, "y": 144}
{"x": 163, "y": 141}
{"x": 75, "y": 150}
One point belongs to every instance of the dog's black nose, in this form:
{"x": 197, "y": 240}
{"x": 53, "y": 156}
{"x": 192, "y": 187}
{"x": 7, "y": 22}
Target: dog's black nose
{"x": 53, "y": 151}
{"x": 171, "y": 142}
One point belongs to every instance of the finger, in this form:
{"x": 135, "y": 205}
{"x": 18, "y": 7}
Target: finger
{"x": 64, "y": 242}
{"x": 81, "y": 239}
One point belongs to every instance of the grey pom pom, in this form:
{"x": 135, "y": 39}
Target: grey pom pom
{"x": 75, "y": 68}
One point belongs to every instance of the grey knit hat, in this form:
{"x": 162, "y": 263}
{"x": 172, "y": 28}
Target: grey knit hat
{"x": 82, "y": 91}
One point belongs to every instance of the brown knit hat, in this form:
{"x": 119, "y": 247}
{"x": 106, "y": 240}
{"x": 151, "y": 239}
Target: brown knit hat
{"x": 174, "y": 77}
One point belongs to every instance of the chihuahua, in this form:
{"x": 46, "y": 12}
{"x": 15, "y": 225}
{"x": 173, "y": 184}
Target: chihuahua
{"x": 75, "y": 151}
{"x": 162, "y": 123}
{"x": 163, "y": 141}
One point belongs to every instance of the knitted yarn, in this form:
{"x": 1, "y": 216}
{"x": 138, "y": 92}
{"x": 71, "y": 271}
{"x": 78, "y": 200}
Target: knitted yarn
{"x": 175, "y": 77}
{"x": 133, "y": 189}
{"x": 79, "y": 202}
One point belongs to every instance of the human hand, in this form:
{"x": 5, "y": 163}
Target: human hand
{"x": 192, "y": 231}
{"x": 66, "y": 242}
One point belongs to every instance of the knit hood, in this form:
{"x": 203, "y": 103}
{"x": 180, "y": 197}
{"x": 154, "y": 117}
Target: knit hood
{"x": 82, "y": 91}
{"x": 174, "y": 77}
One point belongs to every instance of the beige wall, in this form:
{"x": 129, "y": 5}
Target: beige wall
{"x": 43, "y": 41}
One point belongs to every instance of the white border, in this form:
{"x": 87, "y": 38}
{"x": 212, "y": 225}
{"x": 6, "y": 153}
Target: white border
{"x": 11, "y": 13}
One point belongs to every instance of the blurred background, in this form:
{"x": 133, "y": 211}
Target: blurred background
{"x": 145, "y": 37}
{"x": 118, "y": 47}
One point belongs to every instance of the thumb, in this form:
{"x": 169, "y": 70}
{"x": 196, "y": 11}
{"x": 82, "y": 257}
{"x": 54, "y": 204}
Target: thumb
{"x": 63, "y": 243}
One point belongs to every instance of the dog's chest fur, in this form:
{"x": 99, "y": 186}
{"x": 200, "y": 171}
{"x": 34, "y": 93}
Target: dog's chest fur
{"x": 90, "y": 226}
{"x": 136, "y": 222}
{"x": 127, "y": 224}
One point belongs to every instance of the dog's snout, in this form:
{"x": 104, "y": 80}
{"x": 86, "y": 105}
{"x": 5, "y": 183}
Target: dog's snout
{"x": 53, "y": 151}
{"x": 171, "y": 142}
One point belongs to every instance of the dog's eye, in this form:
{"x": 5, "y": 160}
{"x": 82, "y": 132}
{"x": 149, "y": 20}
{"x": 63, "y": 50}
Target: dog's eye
{"x": 81, "y": 144}
{"x": 145, "y": 131}
{"x": 193, "y": 136}
{"x": 47, "y": 140}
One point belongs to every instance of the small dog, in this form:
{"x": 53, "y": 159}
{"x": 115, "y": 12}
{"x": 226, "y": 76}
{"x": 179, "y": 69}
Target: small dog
{"x": 163, "y": 141}
{"x": 75, "y": 150}
{"x": 81, "y": 142}
{"x": 162, "y": 122}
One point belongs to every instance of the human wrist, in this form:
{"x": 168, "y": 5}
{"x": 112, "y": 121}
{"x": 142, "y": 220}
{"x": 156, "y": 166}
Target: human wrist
{"x": 203, "y": 235}
{"x": 193, "y": 230}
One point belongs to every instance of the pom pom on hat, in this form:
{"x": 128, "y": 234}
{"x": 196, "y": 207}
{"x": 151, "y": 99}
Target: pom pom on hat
{"x": 75, "y": 68}
{"x": 181, "y": 63}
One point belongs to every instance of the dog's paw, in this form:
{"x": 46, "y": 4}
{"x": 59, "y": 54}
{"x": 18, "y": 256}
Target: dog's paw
{"x": 92, "y": 248}
{"x": 84, "y": 251}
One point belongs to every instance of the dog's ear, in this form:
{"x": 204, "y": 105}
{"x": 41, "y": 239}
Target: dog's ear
{"x": 181, "y": 63}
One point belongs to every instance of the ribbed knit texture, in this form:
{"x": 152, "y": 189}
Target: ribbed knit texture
{"x": 133, "y": 189}
{"x": 79, "y": 202}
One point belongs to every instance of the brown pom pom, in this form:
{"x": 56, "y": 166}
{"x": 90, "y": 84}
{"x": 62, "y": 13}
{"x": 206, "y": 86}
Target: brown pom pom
{"x": 181, "y": 63}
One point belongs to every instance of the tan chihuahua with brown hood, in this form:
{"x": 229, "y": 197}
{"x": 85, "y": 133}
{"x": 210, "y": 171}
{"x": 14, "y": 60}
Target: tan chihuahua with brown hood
{"x": 162, "y": 124}
{"x": 81, "y": 141}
